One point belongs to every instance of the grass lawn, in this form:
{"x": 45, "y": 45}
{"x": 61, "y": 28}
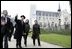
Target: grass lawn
{"x": 61, "y": 38}
{"x": 57, "y": 39}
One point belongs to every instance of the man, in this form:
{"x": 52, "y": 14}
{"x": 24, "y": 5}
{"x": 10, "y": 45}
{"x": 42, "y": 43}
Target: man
{"x": 20, "y": 26}
{"x": 3, "y": 29}
{"x": 6, "y": 28}
{"x": 27, "y": 28}
{"x": 10, "y": 28}
{"x": 36, "y": 33}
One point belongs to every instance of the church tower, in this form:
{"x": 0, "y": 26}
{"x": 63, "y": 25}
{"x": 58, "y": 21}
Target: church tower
{"x": 59, "y": 9}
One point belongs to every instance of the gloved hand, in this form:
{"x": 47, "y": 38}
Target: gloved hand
{"x": 24, "y": 33}
{"x": 10, "y": 31}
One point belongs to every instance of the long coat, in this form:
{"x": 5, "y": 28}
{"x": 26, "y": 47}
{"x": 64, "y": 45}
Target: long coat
{"x": 36, "y": 31}
{"x": 19, "y": 29}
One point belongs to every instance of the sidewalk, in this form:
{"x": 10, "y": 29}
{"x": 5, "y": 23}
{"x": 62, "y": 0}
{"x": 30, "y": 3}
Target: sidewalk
{"x": 12, "y": 44}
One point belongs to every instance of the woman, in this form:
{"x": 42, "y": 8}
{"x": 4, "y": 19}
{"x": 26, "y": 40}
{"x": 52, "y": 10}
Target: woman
{"x": 36, "y": 33}
{"x": 27, "y": 28}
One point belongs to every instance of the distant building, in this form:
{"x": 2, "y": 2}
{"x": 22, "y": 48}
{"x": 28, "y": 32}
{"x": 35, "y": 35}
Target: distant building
{"x": 48, "y": 19}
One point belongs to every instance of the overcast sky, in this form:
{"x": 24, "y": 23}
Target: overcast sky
{"x": 23, "y": 7}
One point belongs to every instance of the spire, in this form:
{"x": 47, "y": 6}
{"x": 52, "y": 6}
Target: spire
{"x": 59, "y": 8}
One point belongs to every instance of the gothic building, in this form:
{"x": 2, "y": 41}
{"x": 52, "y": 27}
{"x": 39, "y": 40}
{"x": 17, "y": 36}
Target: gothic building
{"x": 48, "y": 19}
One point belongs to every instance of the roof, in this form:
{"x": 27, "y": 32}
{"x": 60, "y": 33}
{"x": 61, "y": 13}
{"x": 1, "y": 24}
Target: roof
{"x": 46, "y": 13}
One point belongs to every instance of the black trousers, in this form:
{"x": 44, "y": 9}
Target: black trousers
{"x": 38, "y": 39}
{"x": 18, "y": 42}
{"x": 5, "y": 37}
{"x": 6, "y": 42}
{"x": 1, "y": 41}
{"x": 25, "y": 40}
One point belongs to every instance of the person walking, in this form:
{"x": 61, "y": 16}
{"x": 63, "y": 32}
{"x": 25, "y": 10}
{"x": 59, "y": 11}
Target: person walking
{"x": 20, "y": 28}
{"x": 36, "y": 33}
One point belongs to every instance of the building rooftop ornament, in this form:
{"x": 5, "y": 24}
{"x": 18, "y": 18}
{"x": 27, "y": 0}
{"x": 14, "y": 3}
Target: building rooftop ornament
{"x": 59, "y": 10}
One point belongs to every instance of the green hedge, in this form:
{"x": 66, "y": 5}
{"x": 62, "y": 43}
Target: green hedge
{"x": 62, "y": 31}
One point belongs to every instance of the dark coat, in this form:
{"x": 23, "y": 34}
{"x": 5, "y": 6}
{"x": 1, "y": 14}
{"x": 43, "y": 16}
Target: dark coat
{"x": 5, "y": 30}
{"x": 36, "y": 31}
{"x": 27, "y": 28}
{"x": 19, "y": 29}
{"x": 11, "y": 28}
